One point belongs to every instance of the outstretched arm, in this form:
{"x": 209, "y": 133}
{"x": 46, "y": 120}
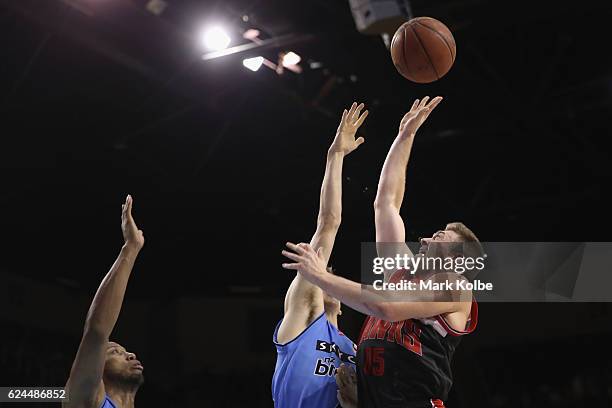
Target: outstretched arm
{"x": 387, "y": 305}
{"x": 304, "y": 301}
{"x": 390, "y": 194}
{"x": 85, "y": 383}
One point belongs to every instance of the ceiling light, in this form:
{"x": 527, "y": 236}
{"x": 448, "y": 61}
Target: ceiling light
{"x": 291, "y": 58}
{"x": 216, "y": 39}
{"x": 253, "y": 63}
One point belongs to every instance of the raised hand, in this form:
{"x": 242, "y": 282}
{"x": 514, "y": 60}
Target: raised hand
{"x": 412, "y": 121}
{"x": 345, "y": 141}
{"x": 132, "y": 236}
{"x": 307, "y": 261}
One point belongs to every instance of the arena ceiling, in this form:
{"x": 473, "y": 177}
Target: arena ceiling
{"x": 101, "y": 99}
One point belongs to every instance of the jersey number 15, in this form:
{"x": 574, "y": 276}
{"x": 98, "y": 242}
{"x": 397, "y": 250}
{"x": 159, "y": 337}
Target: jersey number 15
{"x": 374, "y": 361}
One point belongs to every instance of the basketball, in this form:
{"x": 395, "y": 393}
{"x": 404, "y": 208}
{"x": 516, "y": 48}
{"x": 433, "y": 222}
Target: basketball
{"x": 423, "y": 50}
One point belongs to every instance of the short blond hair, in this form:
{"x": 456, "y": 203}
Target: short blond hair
{"x": 473, "y": 248}
{"x": 463, "y": 231}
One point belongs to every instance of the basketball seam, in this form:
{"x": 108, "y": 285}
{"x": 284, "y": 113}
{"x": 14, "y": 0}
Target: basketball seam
{"x": 404, "y": 54}
{"x": 391, "y": 51}
{"x": 425, "y": 51}
{"x": 441, "y": 36}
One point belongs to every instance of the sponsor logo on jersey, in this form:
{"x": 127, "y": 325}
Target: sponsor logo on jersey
{"x": 333, "y": 348}
{"x": 327, "y": 366}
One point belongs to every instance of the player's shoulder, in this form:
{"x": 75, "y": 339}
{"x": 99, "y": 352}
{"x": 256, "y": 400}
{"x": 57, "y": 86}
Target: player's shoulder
{"x": 79, "y": 399}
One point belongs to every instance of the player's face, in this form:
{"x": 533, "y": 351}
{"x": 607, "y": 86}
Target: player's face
{"x": 435, "y": 245}
{"x": 122, "y": 366}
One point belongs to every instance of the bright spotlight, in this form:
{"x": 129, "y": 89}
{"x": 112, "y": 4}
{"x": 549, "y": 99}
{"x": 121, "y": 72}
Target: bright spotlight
{"x": 253, "y": 63}
{"x": 216, "y": 39}
{"x": 291, "y": 58}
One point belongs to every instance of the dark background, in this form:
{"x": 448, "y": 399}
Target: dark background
{"x": 100, "y": 99}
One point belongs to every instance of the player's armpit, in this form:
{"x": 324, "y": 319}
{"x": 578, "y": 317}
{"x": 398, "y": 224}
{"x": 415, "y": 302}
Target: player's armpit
{"x": 303, "y": 304}
{"x": 304, "y": 301}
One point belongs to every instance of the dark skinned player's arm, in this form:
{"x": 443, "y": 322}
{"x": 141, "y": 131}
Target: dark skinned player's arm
{"x": 304, "y": 301}
{"x": 389, "y": 224}
{"x": 85, "y": 387}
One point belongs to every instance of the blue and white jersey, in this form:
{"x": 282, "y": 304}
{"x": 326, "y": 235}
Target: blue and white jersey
{"x": 304, "y": 376}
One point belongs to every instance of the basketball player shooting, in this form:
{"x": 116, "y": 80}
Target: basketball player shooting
{"x": 308, "y": 343}
{"x": 405, "y": 347}
{"x": 104, "y": 374}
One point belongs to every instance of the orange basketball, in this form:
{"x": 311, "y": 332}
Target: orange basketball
{"x": 423, "y": 50}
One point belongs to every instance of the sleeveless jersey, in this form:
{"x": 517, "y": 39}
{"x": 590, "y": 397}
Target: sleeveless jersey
{"x": 108, "y": 403}
{"x": 408, "y": 363}
{"x": 304, "y": 376}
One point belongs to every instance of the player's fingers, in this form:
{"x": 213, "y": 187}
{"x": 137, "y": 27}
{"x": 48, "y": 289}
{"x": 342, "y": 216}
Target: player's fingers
{"x": 294, "y": 266}
{"x": 128, "y": 204}
{"x": 344, "y": 370}
{"x": 346, "y": 400}
{"x": 424, "y": 102}
{"x": 434, "y": 102}
{"x": 345, "y": 397}
{"x": 358, "y": 111}
{"x": 339, "y": 379}
{"x": 295, "y": 248}
{"x": 363, "y": 116}
{"x": 359, "y": 141}
{"x": 344, "y": 115}
{"x": 306, "y": 248}
{"x": 291, "y": 255}
{"x": 344, "y": 378}
{"x": 415, "y": 104}
{"x": 340, "y": 398}
{"x": 352, "y": 109}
